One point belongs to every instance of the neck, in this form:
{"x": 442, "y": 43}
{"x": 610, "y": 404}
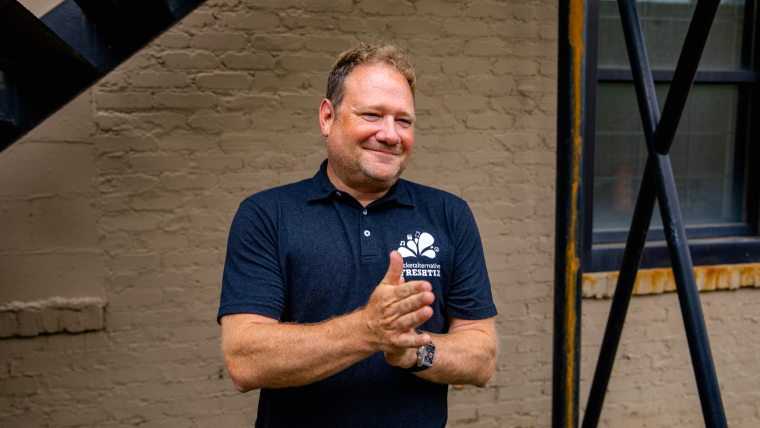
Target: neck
{"x": 364, "y": 196}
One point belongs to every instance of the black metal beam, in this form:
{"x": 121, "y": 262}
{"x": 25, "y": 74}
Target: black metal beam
{"x": 704, "y": 252}
{"x": 51, "y": 60}
{"x": 30, "y": 47}
{"x": 694, "y": 232}
{"x": 69, "y": 22}
{"x": 39, "y": 70}
{"x": 128, "y": 23}
{"x": 632, "y": 255}
{"x": 9, "y": 129}
{"x": 659, "y": 175}
{"x": 569, "y": 217}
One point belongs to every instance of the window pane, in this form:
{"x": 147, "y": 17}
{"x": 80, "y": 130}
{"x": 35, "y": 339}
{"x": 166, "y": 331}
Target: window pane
{"x": 665, "y": 23}
{"x": 710, "y": 185}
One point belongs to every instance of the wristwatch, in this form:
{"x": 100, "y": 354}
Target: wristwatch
{"x": 425, "y": 357}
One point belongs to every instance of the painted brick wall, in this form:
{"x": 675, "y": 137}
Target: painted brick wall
{"x": 126, "y": 196}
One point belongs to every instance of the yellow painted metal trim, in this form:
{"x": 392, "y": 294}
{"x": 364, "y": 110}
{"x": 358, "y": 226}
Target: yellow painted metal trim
{"x": 601, "y": 285}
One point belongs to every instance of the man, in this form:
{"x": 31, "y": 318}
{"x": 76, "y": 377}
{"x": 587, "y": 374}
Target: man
{"x": 303, "y": 317}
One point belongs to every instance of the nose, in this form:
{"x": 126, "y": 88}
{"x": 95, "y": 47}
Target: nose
{"x": 388, "y": 133}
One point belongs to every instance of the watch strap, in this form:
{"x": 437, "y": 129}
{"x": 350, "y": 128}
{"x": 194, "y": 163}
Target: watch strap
{"x": 415, "y": 368}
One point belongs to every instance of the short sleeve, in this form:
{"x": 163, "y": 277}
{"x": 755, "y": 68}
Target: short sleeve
{"x": 252, "y": 281}
{"x": 470, "y": 290}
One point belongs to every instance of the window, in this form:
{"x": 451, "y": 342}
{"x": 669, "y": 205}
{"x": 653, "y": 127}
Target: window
{"x": 714, "y": 151}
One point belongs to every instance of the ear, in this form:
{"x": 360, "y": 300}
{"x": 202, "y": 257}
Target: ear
{"x": 326, "y": 116}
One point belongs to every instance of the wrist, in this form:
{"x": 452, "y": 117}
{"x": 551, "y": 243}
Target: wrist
{"x": 364, "y": 331}
{"x": 403, "y": 359}
{"x": 410, "y": 358}
{"x": 425, "y": 357}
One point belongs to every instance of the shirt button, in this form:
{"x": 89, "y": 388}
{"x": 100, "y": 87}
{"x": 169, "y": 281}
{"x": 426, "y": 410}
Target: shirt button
{"x": 364, "y": 212}
{"x": 337, "y": 193}
{"x": 366, "y": 233}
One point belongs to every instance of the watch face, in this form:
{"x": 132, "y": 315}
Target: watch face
{"x": 428, "y": 355}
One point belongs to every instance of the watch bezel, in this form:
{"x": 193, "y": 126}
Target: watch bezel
{"x": 426, "y": 355}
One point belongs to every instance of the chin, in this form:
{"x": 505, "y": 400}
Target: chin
{"x": 383, "y": 172}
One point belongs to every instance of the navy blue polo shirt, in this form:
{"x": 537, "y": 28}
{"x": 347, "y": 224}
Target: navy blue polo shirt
{"x": 306, "y": 252}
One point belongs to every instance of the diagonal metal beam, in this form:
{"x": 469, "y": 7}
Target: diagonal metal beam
{"x": 658, "y": 180}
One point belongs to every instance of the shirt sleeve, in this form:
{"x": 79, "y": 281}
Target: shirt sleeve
{"x": 470, "y": 290}
{"x": 252, "y": 281}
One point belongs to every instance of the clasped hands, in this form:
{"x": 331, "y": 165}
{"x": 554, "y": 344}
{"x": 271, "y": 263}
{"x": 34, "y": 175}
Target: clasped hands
{"x": 394, "y": 310}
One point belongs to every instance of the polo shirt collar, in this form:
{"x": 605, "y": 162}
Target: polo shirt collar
{"x": 322, "y": 188}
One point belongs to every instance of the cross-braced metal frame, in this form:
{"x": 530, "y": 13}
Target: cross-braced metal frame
{"x": 658, "y": 184}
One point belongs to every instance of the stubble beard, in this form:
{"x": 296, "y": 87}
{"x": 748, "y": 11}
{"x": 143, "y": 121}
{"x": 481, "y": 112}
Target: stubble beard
{"x": 363, "y": 175}
{"x": 369, "y": 170}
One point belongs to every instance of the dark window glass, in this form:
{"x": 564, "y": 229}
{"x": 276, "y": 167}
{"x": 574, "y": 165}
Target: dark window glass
{"x": 704, "y": 156}
{"x": 710, "y": 149}
{"x": 665, "y": 24}
{"x": 714, "y": 149}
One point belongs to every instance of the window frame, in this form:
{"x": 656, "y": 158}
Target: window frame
{"x": 710, "y": 244}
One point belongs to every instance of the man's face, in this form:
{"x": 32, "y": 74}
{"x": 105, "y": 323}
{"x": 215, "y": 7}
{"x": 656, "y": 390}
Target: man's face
{"x": 370, "y": 137}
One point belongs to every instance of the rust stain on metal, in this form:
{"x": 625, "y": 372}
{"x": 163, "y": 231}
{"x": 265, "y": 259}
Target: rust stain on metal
{"x": 575, "y": 36}
{"x": 658, "y": 281}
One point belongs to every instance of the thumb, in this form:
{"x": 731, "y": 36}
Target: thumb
{"x": 395, "y": 269}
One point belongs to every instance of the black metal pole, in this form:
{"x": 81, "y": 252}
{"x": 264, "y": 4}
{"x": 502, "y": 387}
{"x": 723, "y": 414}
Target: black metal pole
{"x": 659, "y": 163}
{"x": 569, "y": 217}
{"x": 683, "y": 271}
{"x": 642, "y": 215}
{"x": 688, "y": 295}
{"x": 634, "y": 250}
{"x": 686, "y": 70}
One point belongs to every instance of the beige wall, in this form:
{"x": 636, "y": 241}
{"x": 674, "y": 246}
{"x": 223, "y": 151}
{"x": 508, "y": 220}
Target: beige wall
{"x": 123, "y": 201}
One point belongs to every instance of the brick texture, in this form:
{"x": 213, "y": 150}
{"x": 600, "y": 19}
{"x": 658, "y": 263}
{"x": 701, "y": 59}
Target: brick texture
{"x": 127, "y": 194}
{"x": 55, "y": 315}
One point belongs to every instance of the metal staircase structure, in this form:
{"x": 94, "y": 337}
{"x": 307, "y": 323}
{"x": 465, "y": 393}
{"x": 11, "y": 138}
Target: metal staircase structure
{"x": 47, "y": 61}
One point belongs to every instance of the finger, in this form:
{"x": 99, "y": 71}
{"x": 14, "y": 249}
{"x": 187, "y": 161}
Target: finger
{"x": 415, "y": 302}
{"x": 395, "y": 269}
{"x": 413, "y": 340}
{"x": 411, "y": 288}
{"x": 413, "y": 319}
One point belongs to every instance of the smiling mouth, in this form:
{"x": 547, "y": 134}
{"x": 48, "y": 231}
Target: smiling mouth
{"x": 382, "y": 152}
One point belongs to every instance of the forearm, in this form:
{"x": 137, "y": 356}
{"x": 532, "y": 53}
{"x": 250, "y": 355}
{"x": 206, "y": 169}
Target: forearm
{"x": 464, "y": 358}
{"x": 280, "y": 355}
{"x": 261, "y": 353}
{"x": 465, "y": 355}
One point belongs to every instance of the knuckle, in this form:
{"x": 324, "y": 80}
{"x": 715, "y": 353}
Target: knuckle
{"x": 403, "y": 292}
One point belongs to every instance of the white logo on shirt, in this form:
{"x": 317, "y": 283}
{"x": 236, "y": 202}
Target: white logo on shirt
{"x": 420, "y": 245}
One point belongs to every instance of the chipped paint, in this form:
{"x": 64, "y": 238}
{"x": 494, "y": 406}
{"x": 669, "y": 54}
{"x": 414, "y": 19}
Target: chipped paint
{"x": 657, "y": 281}
{"x": 576, "y": 25}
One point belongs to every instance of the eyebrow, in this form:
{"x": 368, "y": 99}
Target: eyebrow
{"x": 378, "y": 107}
